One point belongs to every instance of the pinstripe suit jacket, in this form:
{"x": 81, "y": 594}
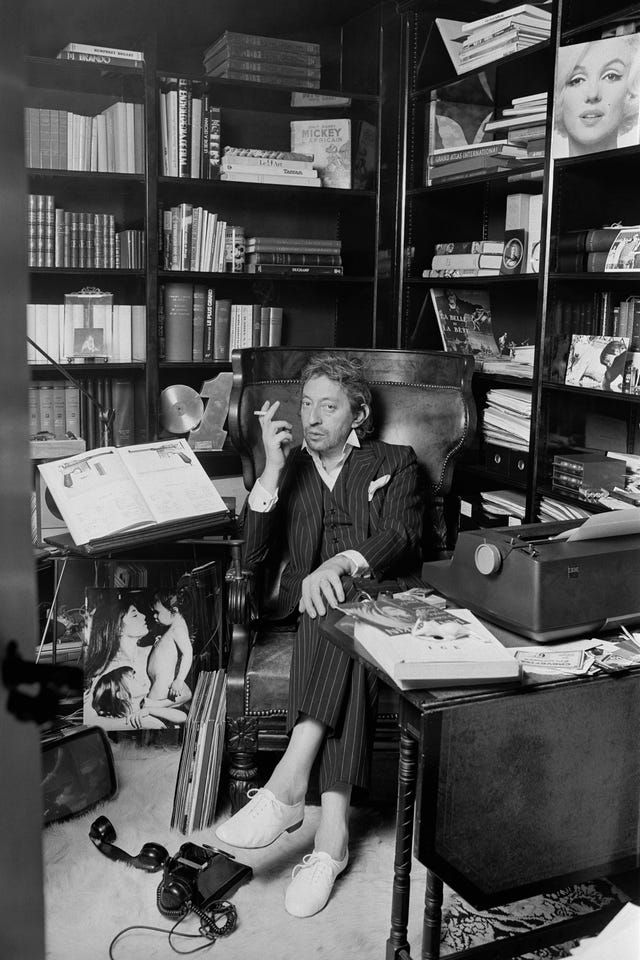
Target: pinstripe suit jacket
{"x": 386, "y": 530}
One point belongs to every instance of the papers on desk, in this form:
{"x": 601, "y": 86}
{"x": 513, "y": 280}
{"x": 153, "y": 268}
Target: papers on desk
{"x": 431, "y": 648}
{"x": 580, "y": 657}
{"x": 619, "y": 939}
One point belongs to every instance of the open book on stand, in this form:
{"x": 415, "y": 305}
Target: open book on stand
{"x": 125, "y": 496}
{"x": 421, "y": 646}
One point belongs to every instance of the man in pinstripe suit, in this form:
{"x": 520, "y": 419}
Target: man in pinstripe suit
{"x": 339, "y": 506}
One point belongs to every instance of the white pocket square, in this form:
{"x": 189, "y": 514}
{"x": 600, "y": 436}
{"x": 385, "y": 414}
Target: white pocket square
{"x": 377, "y": 484}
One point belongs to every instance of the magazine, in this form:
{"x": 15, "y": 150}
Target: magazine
{"x": 420, "y": 646}
{"x": 464, "y": 321}
{"x": 110, "y": 490}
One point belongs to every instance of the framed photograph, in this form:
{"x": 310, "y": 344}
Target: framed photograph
{"x": 597, "y": 363}
{"x": 596, "y": 96}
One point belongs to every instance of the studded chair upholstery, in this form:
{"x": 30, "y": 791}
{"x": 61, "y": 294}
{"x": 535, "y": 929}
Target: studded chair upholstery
{"x": 422, "y": 399}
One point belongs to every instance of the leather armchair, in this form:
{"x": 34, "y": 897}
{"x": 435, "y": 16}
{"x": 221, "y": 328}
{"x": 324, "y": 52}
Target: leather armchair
{"x": 423, "y": 399}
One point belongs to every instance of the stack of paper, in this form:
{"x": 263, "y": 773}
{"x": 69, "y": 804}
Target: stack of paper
{"x": 551, "y": 509}
{"x": 500, "y": 502}
{"x": 506, "y": 420}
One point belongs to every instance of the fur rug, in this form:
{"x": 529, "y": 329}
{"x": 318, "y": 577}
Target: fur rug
{"x": 89, "y": 899}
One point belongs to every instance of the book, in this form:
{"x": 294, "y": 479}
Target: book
{"x": 102, "y": 51}
{"x": 271, "y": 326}
{"x": 296, "y": 257}
{"x": 513, "y": 123}
{"x": 285, "y": 244}
{"x": 101, "y": 59}
{"x": 236, "y": 163}
{"x": 419, "y": 646}
{"x": 294, "y": 269}
{"x": 466, "y": 261}
{"x": 330, "y": 143}
{"x": 530, "y": 9}
{"x": 471, "y": 166}
{"x": 289, "y": 179}
{"x": 178, "y": 322}
{"x": 469, "y": 246}
{"x": 221, "y": 329}
{"x": 503, "y": 148}
{"x": 120, "y": 491}
{"x": 238, "y": 51}
{"x": 464, "y": 321}
{"x": 578, "y": 128}
{"x": 274, "y": 66}
{"x": 254, "y": 40}
{"x": 267, "y": 154}
{"x": 251, "y": 76}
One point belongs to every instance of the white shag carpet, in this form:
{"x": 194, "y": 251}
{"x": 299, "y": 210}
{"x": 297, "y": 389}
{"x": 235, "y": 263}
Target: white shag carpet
{"x": 89, "y": 899}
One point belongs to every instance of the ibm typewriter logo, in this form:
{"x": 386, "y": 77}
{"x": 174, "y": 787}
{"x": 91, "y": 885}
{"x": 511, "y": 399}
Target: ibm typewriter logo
{"x": 573, "y": 572}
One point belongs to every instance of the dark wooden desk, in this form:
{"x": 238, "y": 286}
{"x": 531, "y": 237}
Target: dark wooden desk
{"x": 513, "y": 791}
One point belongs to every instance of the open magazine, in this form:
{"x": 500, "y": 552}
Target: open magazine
{"x": 420, "y": 646}
{"x": 114, "y": 491}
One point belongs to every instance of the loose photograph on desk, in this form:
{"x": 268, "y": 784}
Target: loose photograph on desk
{"x": 145, "y": 646}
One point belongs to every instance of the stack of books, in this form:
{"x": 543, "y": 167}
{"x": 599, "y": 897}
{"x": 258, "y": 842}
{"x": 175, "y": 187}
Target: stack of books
{"x": 501, "y": 34}
{"x": 599, "y": 250}
{"x": 523, "y": 123}
{"x": 466, "y": 258}
{"x": 104, "y": 56}
{"x": 284, "y": 167}
{"x": 243, "y": 56}
{"x": 506, "y": 420}
{"x": 462, "y": 161}
{"x": 309, "y": 256}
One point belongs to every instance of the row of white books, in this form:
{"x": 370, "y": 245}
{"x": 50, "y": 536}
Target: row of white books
{"x": 506, "y": 419}
{"x": 112, "y": 141}
{"x": 118, "y": 333}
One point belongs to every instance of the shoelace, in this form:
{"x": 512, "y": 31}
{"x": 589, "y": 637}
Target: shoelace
{"x": 264, "y": 801}
{"x": 320, "y": 867}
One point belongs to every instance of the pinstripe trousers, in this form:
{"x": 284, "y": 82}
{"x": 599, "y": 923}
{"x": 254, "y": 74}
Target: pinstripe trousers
{"x": 326, "y": 683}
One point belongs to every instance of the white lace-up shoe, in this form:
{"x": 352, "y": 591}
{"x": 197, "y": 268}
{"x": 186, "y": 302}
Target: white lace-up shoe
{"x": 261, "y": 821}
{"x": 312, "y": 883}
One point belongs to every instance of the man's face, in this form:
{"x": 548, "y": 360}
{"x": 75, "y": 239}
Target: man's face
{"x": 326, "y": 416}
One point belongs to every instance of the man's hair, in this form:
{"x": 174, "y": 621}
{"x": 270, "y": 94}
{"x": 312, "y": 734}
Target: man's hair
{"x": 346, "y": 371}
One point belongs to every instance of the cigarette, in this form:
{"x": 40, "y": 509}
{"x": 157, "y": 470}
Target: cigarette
{"x": 259, "y": 413}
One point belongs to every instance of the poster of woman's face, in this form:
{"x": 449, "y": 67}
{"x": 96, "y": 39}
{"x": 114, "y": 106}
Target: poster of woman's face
{"x": 596, "y": 105}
